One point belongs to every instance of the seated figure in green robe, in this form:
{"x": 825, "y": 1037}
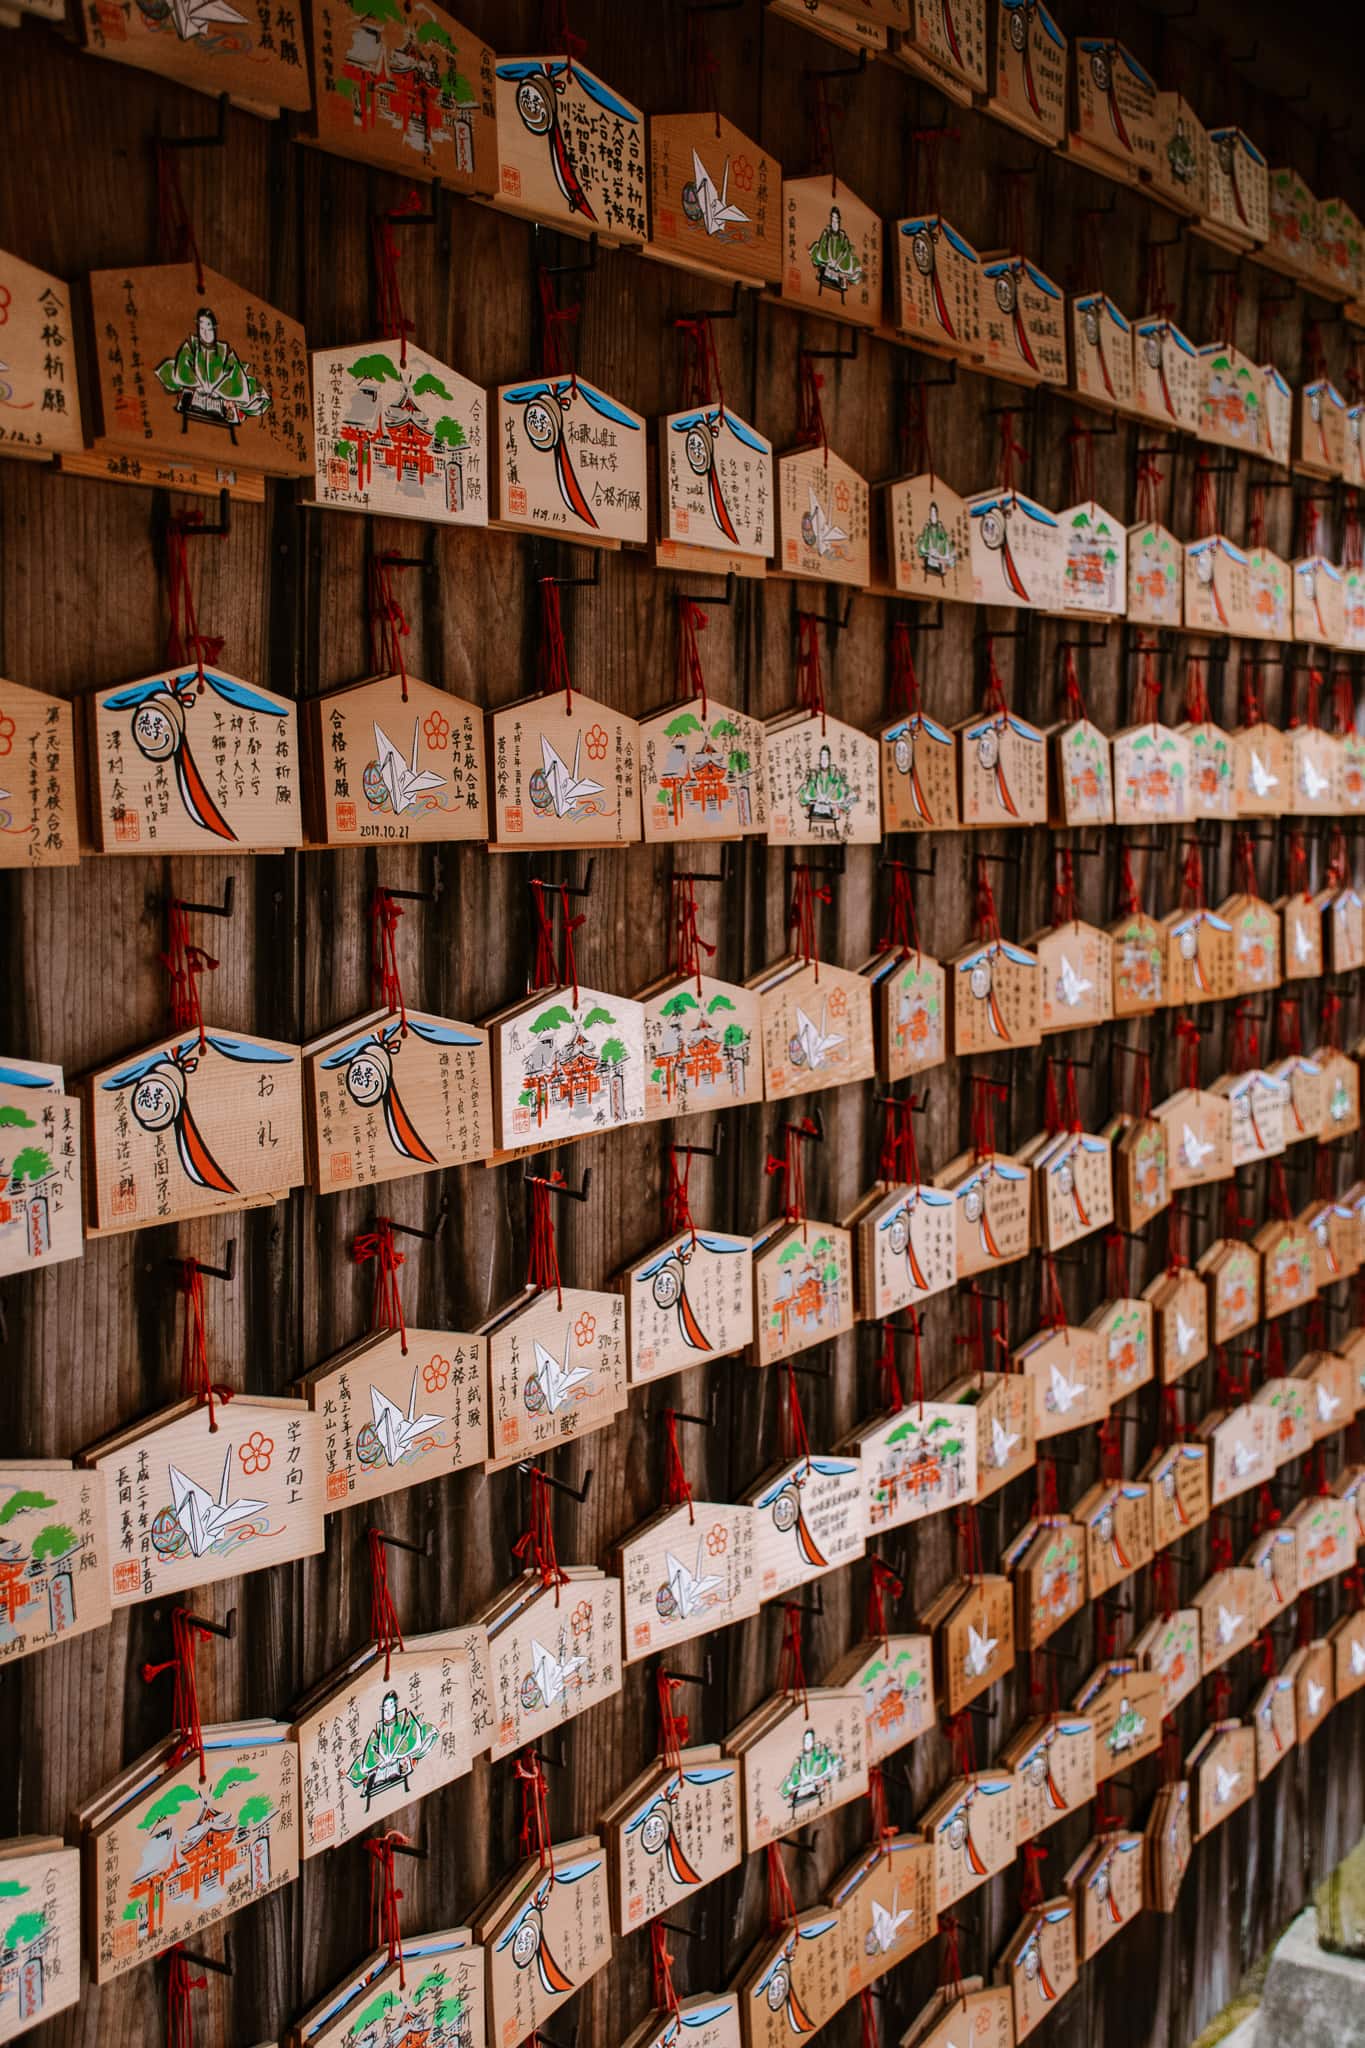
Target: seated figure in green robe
{"x": 811, "y": 1772}
{"x": 392, "y": 1749}
{"x": 834, "y": 256}
{"x": 209, "y": 381}
{"x": 825, "y": 795}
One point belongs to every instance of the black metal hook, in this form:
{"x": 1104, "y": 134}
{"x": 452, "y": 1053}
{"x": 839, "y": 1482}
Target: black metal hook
{"x": 215, "y": 139}
{"x": 575, "y": 582}
{"x": 558, "y": 1186}
{"x": 428, "y": 219}
{"x": 811, "y": 1125}
{"x": 564, "y": 269}
{"x": 223, "y": 909}
{"x": 730, "y": 312}
{"x": 711, "y": 1151}
{"x": 426, "y": 1548}
{"x": 200, "y": 1961}
{"x": 838, "y": 70}
{"x": 702, "y": 1677}
{"x": 226, "y": 1271}
{"x": 712, "y": 1415}
{"x": 539, "y": 881}
{"x": 414, "y": 1229}
{"x": 834, "y": 861}
{"x": 226, "y": 1629}
{"x": 912, "y": 867}
{"x": 578, "y": 1493}
{"x": 720, "y": 874}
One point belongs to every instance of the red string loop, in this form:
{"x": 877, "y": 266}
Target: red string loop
{"x": 686, "y": 942}
{"x": 186, "y": 1636}
{"x": 386, "y": 623}
{"x": 675, "y": 1482}
{"x": 542, "y": 1262}
{"x": 791, "y": 1667}
{"x": 781, "y": 1904}
{"x": 661, "y": 1956}
{"x": 196, "y": 1382}
{"x": 801, "y": 915}
{"x": 184, "y": 641}
{"x": 386, "y": 983}
{"x": 795, "y": 1442}
{"x": 535, "y": 1810}
{"x": 554, "y": 654}
{"x": 535, "y": 1547}
{"x": 184, "y": 963}
{"x": 384, "y": 1625}
{"x": 692, "y": 620}
{"x": 174, "y": 228}
{"x": 179, "y": 2008}
{"x": 386, "y": 1312}
{"x": 385, "y": 1897}
{"x": 394, "y": 323}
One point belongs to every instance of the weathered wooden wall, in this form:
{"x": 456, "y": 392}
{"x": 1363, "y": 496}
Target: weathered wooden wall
{"x": 80, "y": 603}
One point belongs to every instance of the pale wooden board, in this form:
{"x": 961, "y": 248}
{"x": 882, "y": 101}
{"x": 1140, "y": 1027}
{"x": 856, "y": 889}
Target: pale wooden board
{"x": 396, "y": 1095}
{"x": 43, "y": 1896}
{"x": 556, "y": 1370}
{"x": 561, "y": 776}
{"x": 436, "y": 1380}
{"x": 38, "y": 822}
{"x": 53, "y": 1555}
{"x": 577, "y": 1630}
{"x": 572, "y": 150}
{"x": 399, "y": 433}
{"x": 701, "y": 773}
{"x": 572, "y": 461}
{"x": 385, "y": 94}
{"x": 357, "y": 786}
{"x": 40, "y": 401}
{"x": 40, "y": 1196}
{"x": 264, "y": 63}
{"x": 727, "y": 220}
{"x": 679, "y": 1832}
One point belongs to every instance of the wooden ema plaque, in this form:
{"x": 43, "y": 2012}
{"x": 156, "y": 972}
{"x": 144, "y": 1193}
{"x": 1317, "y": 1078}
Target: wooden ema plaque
{"x": 184, "y": 762}
{"x": 437, "y": 1990}
{"x": 816, "y": 1029}
{"x": 823, "y": 519}
{"x": 1179, "y": 1479}
{"x": 794, "y": 1981}
{"x": 971, "y": 1830}
{"x": 1073, "y": 1188}
{"x": 895, "y": 1675}
{"x": 393, "y": 759}
{"x": 1155, "y": 577}
{"x": 42, "y": 1891}
{"x": 1217, "y": 595}
{"x": 1271, "y": 594}
{"x": 991, "y": 1194}
{"x": 361, "y": 1130}
{"x": 1179, "y": 1304}
{"x": 710, "y": 2020}
{"x": 1240, "y": 1450}
{"x": 1232, "y": 400}
{"x": 1331, "y": 1392}
{"x": 398, "y": 1408}
{"x": 685, "y": 1572}
{"x": 1004, "y": 770}
{"x": 1239, "y": 190}
{"x": 1347, "y": 1638}
{"x": 675, "y": 1830}
{"x": 1117, "y": 116}
{"x": 1124, "y": 1705}
{"x": 1320, "y": 429}
{"x": 1273, "y": 1721}
{"x": 937, "y": 285}
{"x": 1291, "y": 244}
{"x": 54, "y": 1558}
{"x": 1201, "y": 957}
{"x": 1039, "y": 1964}
{"x": 1353, "y": 641}
{"x": 1106, "y": 1886}
{"x": 1325, "y": 1536}
{"x": 946, "y": 43}
{"x": 689, "y": 1301}
{"x": 831, "y": 251}
{"x": 715, "y": 484}
{"x": 550, "y": 1934}
{"x": 803, "y": 1288}
{"x": 210, "y": 375}
{"x": 918, "y": 775}
{"x": 996, "y": 998}
{"x": 556, "y": 1370}
{"x": 1259, "y": 1105}
{"x": 1352, "y": 744}
{"x": 1343, "y": 923}
{"x": 917, "y": 1461}
{"x": 1301, "y": 947}
{"x": 563, "y": 773}
{"x": 906, "y": 1239}
{"x": 1231, "y": 1607}
{"x": 929, "y": 542}
{"x": 1023, "y": 321}
{"x": 808, "y": 1761}
{"x": 40, "y": 1174}
{"x": 1151, "y": 775}
{"x": 1275, "y": 1557}
{"x": 194, "y": 1495}
{"x": 1169, "y": 1646}
{"x": 1101, "y": 351}
{"x": 1319, "y": 602}
{"x": 1168, "y": 1848}
{"x": 1341, "y": 1083}
{"x": 212, "y": 46}
{"x": 1116, "y": 1516}
{"x": 1288, "y": 1275}
{"x": 1142, "y": 1182}
{"x": 1222, "y": 1768}
{"x": 1311, "y": 1670}
{"x": 553, "y": 1652}
{"x": 190, "y": 1126}
{"x": 569, "y": 1062}
{"x": 571, "y": 151}
{"x": 1004, "y": 1430}
{"x": 1125, "y": 1332}
{"x": 809, "y": 1521}
{"x": 1314, "y": 771}
{"x": 1341, "y": 248}
{"x": 1017, "y": 552}
{"x": 1075, "y": 976}
{"x": 178, "y": 1852}
{"x": 701, "y": 1046}
{"x": 1198, "y": 1126}
{"x": 571, "y": 463}
{"x": 975, "y": 1639}
{"x": 912, "y": 1015}
{"x": 1082, "y": 783}
{"x": 985, "y": 2017}
{"x": 1053, "y": 1761}
{"x": 1262, "y": 771}
{"x": 1095, "y": 562}
{"x": 1068, "y": 1370}
{"x": 398, "y": 433}
{"x": 1277, "y": 416}
{"x": 1028, "y": 71}
{"x": 715, "y": 199}
{"x": 1181, "y": 171}
{"x": 1166, "y": 377}
{"x": 40, "y": 402}
{"x": 1046, "y": 1562}
{"x": 885, "y": 1902}
{"x": 1212, "y": 784}
{"x": 1139, "y": 956}
{"x": 410, "y": 96}
{"x": 38, "y": 818}
{"x": 386, "y": 1732}
{"x": 823, "y": 782}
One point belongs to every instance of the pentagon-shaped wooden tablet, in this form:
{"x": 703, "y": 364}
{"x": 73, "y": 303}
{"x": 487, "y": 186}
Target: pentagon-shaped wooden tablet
{"x": 571, "y": 150}
{"x": 397, "y": 432}
{"x": 40, "y": 400}
{"x": 571, "y": 462}
{"x": 394, "y": 760}
{"x": 715, "y": 198}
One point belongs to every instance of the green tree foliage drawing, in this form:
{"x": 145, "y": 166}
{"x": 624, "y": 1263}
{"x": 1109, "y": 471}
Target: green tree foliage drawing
{"x": 53, "y": 1541}
{"x": 12, "y": 1889}
{"x": 718, "y": 1003}
{"x": 375, "y": 369}
{"x": 430, "y": 385}
{"x": 613, "y": 1053}
{"x": 12, "y": 1118}
{"x": 254, "y": 1810}
{"x": 597, "y": 1016}
{"x": 449, "y": 432}
{"x": 735, "y": 1034}
{"x": 680, "y": 1004}
{"x": 236, "y": 1774}
{"x": 167, "y": 1806}
{"x": 376, "y": 2009}
{"x": 19, "y": 1503}
{"x": 551, "y": 1019}
{"x": 32, "y": 1164}
{"x": 678, "y": 728}
{"x": 26, "y": 1928}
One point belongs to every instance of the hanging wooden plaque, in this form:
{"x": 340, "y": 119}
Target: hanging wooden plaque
{"x": 946, "y": 43}
{"x": 701, "y": 1046}
{"x": 831, "y": 251}
{"x": 714, "y": 198}
{"x": 569, "y": 1062}
{"x": 1169, "y": 1646}
{"x": 1320, "y": 429}
{"x": 710, "y": 2020}
{"x": 1232, "y": 1274}
{"x": 571, "y": 150}
{"x": 906, "y": 1241}
{"x": 571, "y": 462}
{"x": 1075, "y": 975}
{"x": 1319, "y": 602}
{"x": 193, "y": 1124}
{"x": 1142, "y": 1181}
{"x": 1274, "y": 1557}
{"x": 937, "y": 285}
{"x": 1239, "y": 189}
{"x": 1139, "y": 956}
{"x": 1314, "y": 771}
{"x": 673, "y": 1831}
{"x": 917, "y": 1461}
{"x": 1201, "y": 957}
{"x": 1259, "y": 1104}
{"x": 1268, "y": 582}
{"x": 193, "y": 762}
{"x": 1291, "y": 244}
{"x": 1125, "y": 1332}
{"x": 54, "y": 1561}
{"x": 919, "y": 775}
{"x": 1179, "y": 1303}
{"x": 384, "y": 1732}
{"x": 398, "y": 1408}
{"x": 930, "y": 542}
{"x": 803, "y": 1288}
{"x": 885, "y": 1901}
{"x": 1004, "y": 1430}
{"x": 1168, "y": 1847}
{"x": 1311, "y": 1669}
{"x": 1017, "y": 551}
{"x": 794, "y": 1983}
{"x": 40, "y": 401}
{"x": 1355, "y": 450}
{"x": 911, "y": 1012}
{"x": 895, "y": 1675}
{"x": 1117, "y": 115}
{"x": 1074, "y": 1188}
{"x": 1039, "y": 1964}
{"x": 362, "y": 1130}
{"x": 1082, "y": 778}
{"x": 1303, "y": 1076}
{"x": 971, "y": 1829}
{"x": 809, "y": 1521}
{"x": 1151, "y": 775}
{"x": 40, "y": 1168}
{"x": 1343, "y": 923}
{"x": 1240, "y": 1450}
{"x": 1288, "y": 1278}
{"x": 38, "y": 821}
{"x": 689, "y": 1301}
{"x": 1046, "y": 1562}
{"x": 1116, "y": 1517}
{"x": 1341, "y": 1085}
{"x": 967, "y": 2012}
{"x": 212, "y": 46}
{"x": 554, "y": 1651}
{"x": 1212, "y": 786}
{"x": 1325, "y": 1534}
{"x": 1353, "y": 642}
{"x": 180, "y": 1853}
{"x": 1222, "y": 1768}
{"x": 1341, "y": 248}
{"x": 556, "y": 1370}
{"x": 1181, "y": 171}
{"x": 686, "y": 1571}
{"x": 1262, "y": 771}
{"x": 41, "y": 1881}
{"x": 398, "y": 433}
{"x": 715, "y": 483}
{"x": 1230, "y": 1605}
{"x": 1101, "y": 351}
{"x": 1277, "y": 416}
{"x": 437, "y": 1990}
{"x": 1004, "y": 770}
{"x": 823, "y": 519}
{"x": 1023, "y": 321}
{"x": 1198, "y": 1137}
{"x": 975, "y": 1640}
{"x": 1053, "y": 1761}
{"x": 410, "y": 96}
{"x": 823, "y": 782}
{"x": 1166, "y": 377}
{"x": 1124, "y": 1704}
{"x": 991, "y": 1193}
{"x": 1217, "y": 595}
{"x": 1347, "y": 1638}
{"x": 1155, "y": 577}
{"x": 1331, "y": 1392}
{"x": 1231, "y": 399}
{"x": 1272, "y": 1719}
{"x": 816, "y": 1028}
{"x": 1095, "y": 562}
{"x": 1029, "y": 70}
{"x": 550, "y": 1934}
{"x": 394, "y": 760}
{"x": 1069, "y": 1374}
{"x": 203, "y": 372}
{"x": 807, "y": 1762}
{"x": 1106, "y": 1885}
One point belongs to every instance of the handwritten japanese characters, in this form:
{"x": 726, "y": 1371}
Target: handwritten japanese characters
{"x": 689, "y": 1301}
{"x": 396, "y": 1408}
{"x": 686, "y": 1571}
{"x": 392, "y": 759}
{"x": 397, "y": 432}
{"x": 716, "y": 484}
{"x": 54, "y": 1562}
{"x": 568, "y": 1061}
{"x": 823, "y": 518}
{"x": 256, "y": 56}
{"x": 929, "y": 539}
{"x": 571, "y": 151}
{"x": 40, "y": 403}
{"x": 823, "y": 782}
{"x": 40, "y": 1168}
{"x": 38, "y": 821}
{"x": 715, "y": 198}
{"x": 571, "y": 462}
{"x": 563, "y": 773}
{"x": 42, "y": 1892}
{"x": 556, "y": 1369}
{"x": 392, "y": 1094}
{"x": 702, "y": 773}
{"x": 407, "y": 93}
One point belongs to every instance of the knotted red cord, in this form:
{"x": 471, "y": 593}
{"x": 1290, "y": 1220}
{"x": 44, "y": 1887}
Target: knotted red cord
{"x": 675, "y": 1477}
{"x": 1256, "y": 516}
{"x": 1052, "y": 1308}
{"x": 661, "y": 1956}
{"x": 1196, "y": 692}
{"x": 1072, "y": 695}
{"x": 384, "y": 1627}
{"x": 1013, "y": 453}
{"x": 174, "y": 228}
{"x": 1150, "y": 477}
{"x": 1031, "y": 1891}
{"x": 677, "y": 1202}
{"x": 883, "y": 1578}
{"x": 386, "y": 983}
{"x": 962, "y": 1743}
{"x": 535, "y": 1547}
{"x": 179, "y": 2009}
{"x": 535, "y": 1810}
{"x": 791, "y": 1668}
{"x": 1205, "y": 498}
{"x": 1148, "y": 706}
{"x": 1080, "y": 448}
{"x": 968, "y": 1530}
{"x": 385, "y": 1897}
{"x": 1045, "y": 1492}
{"x": 196, "y": 1383}
{"x": 672, "y": 1726}
{"x": 791, "y": 1421}
{"x": 184, "y": 641}
{"x": 554, "y": 654}
{"x": 801, "y": 916}
{"x": 781, "y": 1904}
{"x": 544, "y": 969}
{"x": 186, "y": 1636}
{"x": 542, "y": 1262}
{"x": 882, "y": 1829}
{"x": 386, "y": 1312}
{"x": 394, "y": 323}
{"x": 386, "y": 623}
{"x": 1163, "y": 1583}
{"x": 555, "y": 323}
{"x": 905, "y": 702}
{"x": 902, "y": 926}
{"x": 790, "y": 1169}
{"x": 692, "y": 620}
{"x": 950, "y": 1965}
{"x": 810, "y": 682}
{"x": 701, "y": 364}
{"x": 985, "y": 1095}
{"x": 1329, "y": 1015}
{"x": 810, "y": 413}
{"x": 986, "y": 922}
{"x": 899, "y": 1159}
{"x": 184, "y": 962}
{"x": 686, "y": 942}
